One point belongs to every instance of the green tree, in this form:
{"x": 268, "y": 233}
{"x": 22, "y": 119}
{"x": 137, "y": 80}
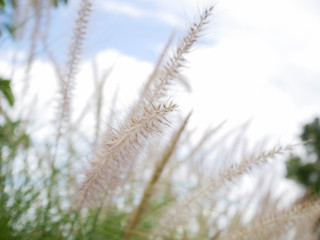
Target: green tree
{"x": 306, "y": 170}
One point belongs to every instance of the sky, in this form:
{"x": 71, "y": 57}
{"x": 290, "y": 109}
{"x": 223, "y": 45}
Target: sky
{"x": 257, "y": 60}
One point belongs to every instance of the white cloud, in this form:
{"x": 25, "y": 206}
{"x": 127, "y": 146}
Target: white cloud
{"x": 264, "y": 65}
{"x": 260, "y": 46}
{"x": 41, "y": 102}
{"x": 123, "y": 8}
{"x": 131, "y": 10}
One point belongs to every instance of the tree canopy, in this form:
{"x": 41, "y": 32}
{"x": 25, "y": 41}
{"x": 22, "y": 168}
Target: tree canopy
{"x": 306, "y": 170}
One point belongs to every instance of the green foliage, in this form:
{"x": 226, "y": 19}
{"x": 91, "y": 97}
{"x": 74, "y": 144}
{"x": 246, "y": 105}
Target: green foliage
{"x": 31, "y": 208}
{"x": 6, "y": 90}
{"x": 2, "y": 4}
{"x": 110, "y": 227}
{"x": 307, "y": 173}
{"x": 13, "y": 136}
{"x": 311, "y": 132}
{"x": 57, "y": 2}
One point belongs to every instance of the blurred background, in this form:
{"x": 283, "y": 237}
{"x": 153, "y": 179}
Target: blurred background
{"x": 255, "y": 67}
{"x": 257, "y": 61}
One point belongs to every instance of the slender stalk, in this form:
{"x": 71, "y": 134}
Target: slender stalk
{"x": 179, "y": 212}
{"x": 297, "y": 213}
{"x": 67, "y": 82}
{"x": 138, "y": 213}
{"x": 119, "y": 149}
{"x": 170, "y": 70}
{"x": 242, "y": 168}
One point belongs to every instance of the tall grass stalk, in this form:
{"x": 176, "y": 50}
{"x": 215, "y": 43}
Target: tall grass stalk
{"x": 138, "y": 212}
{"x": 147, "y": 175}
